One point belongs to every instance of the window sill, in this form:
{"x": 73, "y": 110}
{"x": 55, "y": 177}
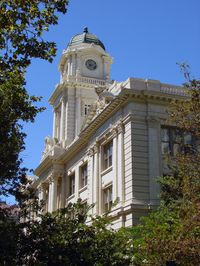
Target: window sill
{"x": 82, "y": 189}
{"x": 71, "y": 197}
{"x": 107, "y": 170}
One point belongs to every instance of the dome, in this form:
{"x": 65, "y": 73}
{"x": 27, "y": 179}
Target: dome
{"x": 85, "y": 37}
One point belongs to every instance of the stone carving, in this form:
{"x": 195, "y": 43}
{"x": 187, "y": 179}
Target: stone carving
{"x": 105, "y": 97}
{"x": 49, "y": 144}
{"x": 99, "y": 89}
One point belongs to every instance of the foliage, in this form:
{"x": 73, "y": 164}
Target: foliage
{"x": 9, "y": 232}
{"x": 22, "y": 25}
{"x": 172, "y": 233}
{"x": 71, "y": 237}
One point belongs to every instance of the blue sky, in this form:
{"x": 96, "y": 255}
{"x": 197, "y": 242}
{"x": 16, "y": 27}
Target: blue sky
{"x": 145, "y": 37}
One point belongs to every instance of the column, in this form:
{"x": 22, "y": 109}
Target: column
{"x": 115, "y": 164}
{"x": 62, "y": 120}
{"x": 99, "y": 180}
{"x": 121, "y": 179}
{"x": 54, "y": 193}
{"x": 43, "y": 196}
{"x": 96, "y": 177}
{"x": 50, "y": 197}
{"x": 63, "y": 191}
{"x": 54, "y": 124}
{"x": 154, "y": 141}
{"x": 73, "y": 65}
{"x": 68, "y": 66}
{"x": 39, "y": 193}
{"x": 78, "y": 112}
{"x": 76, "y": 183}
{"x": 91, "y": 176}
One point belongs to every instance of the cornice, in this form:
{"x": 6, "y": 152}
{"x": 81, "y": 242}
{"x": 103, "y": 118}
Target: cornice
{"x": 46, "y": 163}
{"x": 55, "y": 94}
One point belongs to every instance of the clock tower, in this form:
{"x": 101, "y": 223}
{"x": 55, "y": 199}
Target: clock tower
{"x": 84, "y": 66}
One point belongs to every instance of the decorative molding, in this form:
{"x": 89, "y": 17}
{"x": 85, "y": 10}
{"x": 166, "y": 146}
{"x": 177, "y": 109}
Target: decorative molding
{"x": 96, "y": 147}
{"x": 99, "y": 89}
{"x": 113, "y": 131}
{"x": 90, "y": 152}
{"x": 50, "y": 178}
{"x": 120, "y": 127}
{"x": 58, "y": 173}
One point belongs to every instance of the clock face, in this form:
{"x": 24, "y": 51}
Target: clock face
{"x": 91, "y": 64}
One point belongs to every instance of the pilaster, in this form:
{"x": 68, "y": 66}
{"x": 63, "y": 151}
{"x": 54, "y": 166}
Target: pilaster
{"x": 54, "y": 124}
{"x": 50, "y": 195}
{"x": 120, "y": 165}
{"x": 115, "y": 163}
{"x": 91, "y": 177}
{"x": 154, "y": 158}
{"x": 62, "y": 119}
{"x": 63, "y": 190}
{"x": 96, "y": 177}
{"x": 54, "y": 184}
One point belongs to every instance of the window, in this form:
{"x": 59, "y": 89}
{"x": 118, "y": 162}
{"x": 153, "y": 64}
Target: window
{"x": 71, "y": 184}
{"x": 83, "y": 175}
{"x": 86, "y": 109}
{"x": 173, "y": 140}
{"x": 57, "y": 122}
{"x": 107, "y": 199}
{"x": 107, "y": 155}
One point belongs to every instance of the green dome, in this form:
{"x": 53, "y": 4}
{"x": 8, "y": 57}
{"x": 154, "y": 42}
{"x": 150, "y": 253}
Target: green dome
{"x": 85, "y": 37}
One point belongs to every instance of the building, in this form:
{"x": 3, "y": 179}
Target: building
{"x": 10, "y": 211}
{"x": 108, "y": 137}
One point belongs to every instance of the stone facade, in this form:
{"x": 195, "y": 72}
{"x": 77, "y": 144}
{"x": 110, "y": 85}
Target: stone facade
{"x": 106, "y": 144}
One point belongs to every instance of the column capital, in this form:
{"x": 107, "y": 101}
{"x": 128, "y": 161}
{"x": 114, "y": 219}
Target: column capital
{"x": 39, "y": 188}
{"x": 114, "y": 131}
{"x": 57, "y": 174}
{"x": 90, "y": 152}
{"x": 120, "y": 127}
{"x": 44, "y": 185}
{"x": 95, "y": 148}
{"x": 50, "y": 178}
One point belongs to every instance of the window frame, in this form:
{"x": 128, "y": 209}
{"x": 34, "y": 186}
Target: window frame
{"x": 71, "y": 179}
{"x": 107, "y": 195}
{"x": 172, "y": 141}
{"x": 107, "y": 155}
{"x": 83, "y": 179}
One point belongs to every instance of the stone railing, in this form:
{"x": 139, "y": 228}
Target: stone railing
{"x": 85, "y": 80}
{"x": 153, "y": 85}
{"x": 173, "y": 90}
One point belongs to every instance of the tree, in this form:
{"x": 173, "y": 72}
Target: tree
{"x": 70, "y": 236}
{"x": 22, "y": 25}
{"x": 172, "y": 233}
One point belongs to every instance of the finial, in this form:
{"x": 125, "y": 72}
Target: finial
{"x": 85, "y": 30}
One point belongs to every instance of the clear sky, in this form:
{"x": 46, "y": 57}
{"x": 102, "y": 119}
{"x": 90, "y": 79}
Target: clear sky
{"x": 145, "y": 37}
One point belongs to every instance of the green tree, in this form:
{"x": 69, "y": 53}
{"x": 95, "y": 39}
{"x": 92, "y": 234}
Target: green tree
{"x": 22, "y": 25}
{"x": 172, "y": 233}
{"x": 69, "y": 237}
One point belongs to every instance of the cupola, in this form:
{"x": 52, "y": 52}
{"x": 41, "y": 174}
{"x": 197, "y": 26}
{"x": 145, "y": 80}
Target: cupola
{"x": 85, "y": 37}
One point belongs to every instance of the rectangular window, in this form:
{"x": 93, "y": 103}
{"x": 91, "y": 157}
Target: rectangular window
{"x": 71, "y": 184}
{"x": 107, "y": 199}
{"x": 107, "y": 155}
{"x": 83, "y": 175}
{"x": 173, "y": 140}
